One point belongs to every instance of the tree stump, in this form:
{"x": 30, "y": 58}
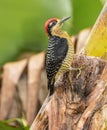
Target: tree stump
{"x": 80, "y": 98}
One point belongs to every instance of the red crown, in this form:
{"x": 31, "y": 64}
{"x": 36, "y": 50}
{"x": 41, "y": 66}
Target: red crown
{"x": 47, "y": 23}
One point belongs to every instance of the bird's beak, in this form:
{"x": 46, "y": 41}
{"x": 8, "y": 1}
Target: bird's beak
{"x": 63, "y": 20}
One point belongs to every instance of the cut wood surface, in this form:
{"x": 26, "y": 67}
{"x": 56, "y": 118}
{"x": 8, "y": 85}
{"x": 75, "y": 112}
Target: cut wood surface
{"x": 79, "y": 100}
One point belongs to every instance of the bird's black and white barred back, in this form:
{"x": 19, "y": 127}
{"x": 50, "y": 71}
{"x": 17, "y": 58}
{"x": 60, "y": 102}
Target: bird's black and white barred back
{"x": 56, "y": 53}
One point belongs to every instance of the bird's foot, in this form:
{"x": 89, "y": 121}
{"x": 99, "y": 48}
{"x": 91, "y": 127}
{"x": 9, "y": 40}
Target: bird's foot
{"x": 79, "y": 68}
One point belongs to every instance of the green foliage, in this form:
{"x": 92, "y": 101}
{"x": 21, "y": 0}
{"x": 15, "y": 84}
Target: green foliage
{"x": 85, "y": 13}
{"x": 21, "y": 25}
{"x": 22, "y": 22}
{"x": 21, "y": 125}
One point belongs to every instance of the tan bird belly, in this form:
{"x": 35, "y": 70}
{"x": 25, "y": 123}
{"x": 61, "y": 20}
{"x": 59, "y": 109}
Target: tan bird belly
{"x": 66, "y": 64}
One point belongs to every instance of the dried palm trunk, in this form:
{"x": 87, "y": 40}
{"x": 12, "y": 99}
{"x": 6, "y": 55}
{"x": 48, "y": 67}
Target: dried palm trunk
{"x": 79, "y": 101}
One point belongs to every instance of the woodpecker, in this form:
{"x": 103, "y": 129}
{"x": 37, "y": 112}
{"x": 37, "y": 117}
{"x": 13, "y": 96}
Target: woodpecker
{"x": 60, "y": 51}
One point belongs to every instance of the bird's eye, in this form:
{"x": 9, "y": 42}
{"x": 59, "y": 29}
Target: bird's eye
{"x": 51, "y": 24}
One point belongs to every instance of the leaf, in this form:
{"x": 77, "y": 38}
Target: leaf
{"x": 35, "y": 68}
{"x": 97, "y": 40}
{"x": 84, "y": 13}
{"x": 4, "y": 126}
{"x": 11, "y": 76}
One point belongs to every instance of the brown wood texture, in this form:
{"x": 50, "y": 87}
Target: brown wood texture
{"x": 80, "y": 98}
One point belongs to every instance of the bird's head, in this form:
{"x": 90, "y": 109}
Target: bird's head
{"x": 53, "y": 26}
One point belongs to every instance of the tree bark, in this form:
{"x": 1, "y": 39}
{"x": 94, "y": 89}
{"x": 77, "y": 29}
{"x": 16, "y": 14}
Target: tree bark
{"x": 80, "y": 98}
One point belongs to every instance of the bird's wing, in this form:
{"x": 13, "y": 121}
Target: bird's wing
{"x": 56, "y": 52}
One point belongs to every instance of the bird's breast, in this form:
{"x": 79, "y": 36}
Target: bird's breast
{"x": 66, "y": 64}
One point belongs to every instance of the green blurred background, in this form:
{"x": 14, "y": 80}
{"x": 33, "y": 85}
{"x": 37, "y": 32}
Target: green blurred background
{"x": 22, "y": 23}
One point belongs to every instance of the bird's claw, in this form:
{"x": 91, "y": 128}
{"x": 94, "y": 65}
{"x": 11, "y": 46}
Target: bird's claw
{"x": 79, "y": 68}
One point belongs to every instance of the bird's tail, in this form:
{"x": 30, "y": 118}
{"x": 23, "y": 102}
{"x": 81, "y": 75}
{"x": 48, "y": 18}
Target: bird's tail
{"x": 51, "y": 87}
